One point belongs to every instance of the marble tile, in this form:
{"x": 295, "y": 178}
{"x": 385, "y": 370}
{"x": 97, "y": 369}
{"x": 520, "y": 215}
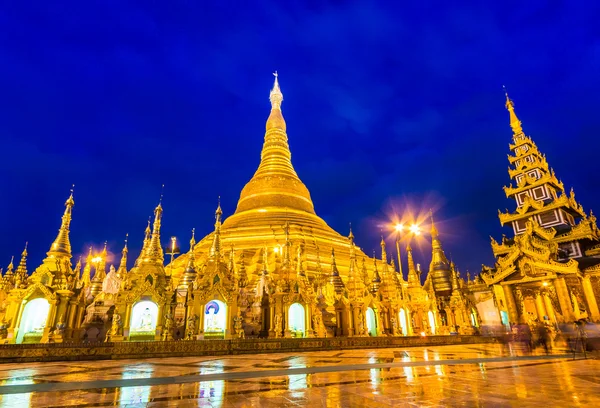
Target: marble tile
{"x": 423, "y": 377}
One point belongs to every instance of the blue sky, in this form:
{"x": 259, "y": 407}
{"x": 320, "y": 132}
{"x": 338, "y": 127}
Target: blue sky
{"x": 388, "y": 104}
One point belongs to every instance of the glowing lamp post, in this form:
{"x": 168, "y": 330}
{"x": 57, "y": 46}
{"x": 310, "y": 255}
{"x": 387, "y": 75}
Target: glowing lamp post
{"x": 172, "y": 250}
{"x": 413, "y": 229}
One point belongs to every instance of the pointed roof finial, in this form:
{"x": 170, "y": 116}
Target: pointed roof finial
{"x": 193, "y": 240}
{"x": 61, "y": 247}
{"x": 515, "y": 123}
{"x": 275, "y": 96}
{"x": 434, "y": 231}
{"x": 219, "y": 211}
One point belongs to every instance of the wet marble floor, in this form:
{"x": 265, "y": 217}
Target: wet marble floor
{"x": 453, "y": 376}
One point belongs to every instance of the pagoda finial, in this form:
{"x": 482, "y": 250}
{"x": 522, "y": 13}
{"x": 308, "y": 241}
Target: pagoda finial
{"x": 156, "y": 251}
{"x": 351, "y": 235}
{"x": 123, "y": 265}
{"x": 193, "y": 240}
{"x": 434, "y": 231}
{"x": 215, "y": 249}
{"x": 383, "y": 251}
{"x": 11, "y": 267}
{"x": 515, "y": 123}
{"x": 413, "y": 277}
{"x": 21, "y": 273}
{"x": 61, "y": 247}
{"x": 86, "y": 276}
{"x": 276, "y": 97}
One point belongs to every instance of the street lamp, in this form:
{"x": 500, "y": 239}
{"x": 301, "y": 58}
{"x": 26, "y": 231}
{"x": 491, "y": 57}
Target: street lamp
{"x": 172, "y": 250}
{"x": 398, "y": 228}
{"x": 415, "y": 230}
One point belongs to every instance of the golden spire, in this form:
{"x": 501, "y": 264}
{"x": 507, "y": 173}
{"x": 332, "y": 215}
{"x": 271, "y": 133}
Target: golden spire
{"x": 455, "y": 285}
{"x": 515, "y": 123}
{"x": 155, "y": 251}
{"x": 77, "y": 272}
{"x": 383, "y": 251}
{"x": 61, "y": 247}
{"x": 87, "y": 270}
{"x": 10, "y": 268}
{"x": 275, "y": 183}
{"x": 215, "y": 249}
{"x": 122, "y": 271}
{"x": 193, "y": 241}
{"x": 101, "y": 266}
{"x": 21, "y": 273}
{"x": 438, "y": 258}
{"x": 376, "y": 282}
{"x": 189, "y": 275}
{"x": 413, "y": 277}
{"x": 334, "y": 278}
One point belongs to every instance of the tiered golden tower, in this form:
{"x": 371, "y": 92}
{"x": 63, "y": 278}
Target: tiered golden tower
{"x": 549, "y": 270}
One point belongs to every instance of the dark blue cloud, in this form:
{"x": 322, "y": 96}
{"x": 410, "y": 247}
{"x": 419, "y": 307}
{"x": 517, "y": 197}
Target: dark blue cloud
{"x": 390, "y": 103}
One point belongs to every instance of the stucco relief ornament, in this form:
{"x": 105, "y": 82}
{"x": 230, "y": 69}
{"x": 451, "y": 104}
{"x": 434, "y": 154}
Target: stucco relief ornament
{"x": 237, "y": 325}
{"x": 278, "y": 327}
{"x": 191, "y": 327}
{"x": 116, "y": 325}
{"x": 394, "y": 326}
{"x": 168, "y": 326}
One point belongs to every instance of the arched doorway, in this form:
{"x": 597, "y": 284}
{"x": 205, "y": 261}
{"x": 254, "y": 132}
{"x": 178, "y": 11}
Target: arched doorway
{"x": 431, "y": 321}
{"x": 403, "y": 322}
{"x": 296, "y": 317}
{"x": 215, "y": 319}
{"x": 33, "y": 321}
{"x": 144, "y": 316}
{"x": 371, "y": 322}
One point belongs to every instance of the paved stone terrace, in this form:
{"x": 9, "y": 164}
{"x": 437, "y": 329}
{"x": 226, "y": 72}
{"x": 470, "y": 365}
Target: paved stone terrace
{"x": 460, "y": 375}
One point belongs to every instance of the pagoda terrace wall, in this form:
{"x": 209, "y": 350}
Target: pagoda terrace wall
{"x": 20, "y": 353}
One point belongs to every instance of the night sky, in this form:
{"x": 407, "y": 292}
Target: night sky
{"x": 388, "y": 106}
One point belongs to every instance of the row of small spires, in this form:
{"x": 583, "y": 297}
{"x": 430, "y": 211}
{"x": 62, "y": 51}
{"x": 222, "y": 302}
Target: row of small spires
{"x": 152, "y": 251}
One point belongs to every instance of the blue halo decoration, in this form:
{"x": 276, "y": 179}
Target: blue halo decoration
{"x": 212, "y": 305}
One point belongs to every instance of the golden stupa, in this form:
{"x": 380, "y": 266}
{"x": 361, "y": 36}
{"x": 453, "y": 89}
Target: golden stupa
{"x": 274, "y": 197}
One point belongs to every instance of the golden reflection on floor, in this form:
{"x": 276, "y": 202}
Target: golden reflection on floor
{"x": 509, "y": 383}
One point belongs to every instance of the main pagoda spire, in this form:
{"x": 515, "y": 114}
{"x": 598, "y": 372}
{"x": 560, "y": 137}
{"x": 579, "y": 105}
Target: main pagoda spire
{"x": 275, "y": 183}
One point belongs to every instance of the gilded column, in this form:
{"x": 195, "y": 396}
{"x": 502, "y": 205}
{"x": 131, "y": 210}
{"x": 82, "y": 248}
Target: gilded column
{"x": 540, "y": 308}
{"x": 564, "y": 300}
{"x": 513, "y": 314}
{"x": 590, "y": 298}
{"x": 351, "y": 318}
{"x": 549, "y": 307}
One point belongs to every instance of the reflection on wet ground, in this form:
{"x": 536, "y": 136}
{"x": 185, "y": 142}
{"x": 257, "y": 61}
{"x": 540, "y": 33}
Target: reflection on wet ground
{"x": 471, "y": 375}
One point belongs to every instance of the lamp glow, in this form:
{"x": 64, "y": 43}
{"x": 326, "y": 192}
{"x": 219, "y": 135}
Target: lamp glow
{"x": 399, "y": 227}
{"x": 415, "y": 229}
{"x": 96, "y": 259}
